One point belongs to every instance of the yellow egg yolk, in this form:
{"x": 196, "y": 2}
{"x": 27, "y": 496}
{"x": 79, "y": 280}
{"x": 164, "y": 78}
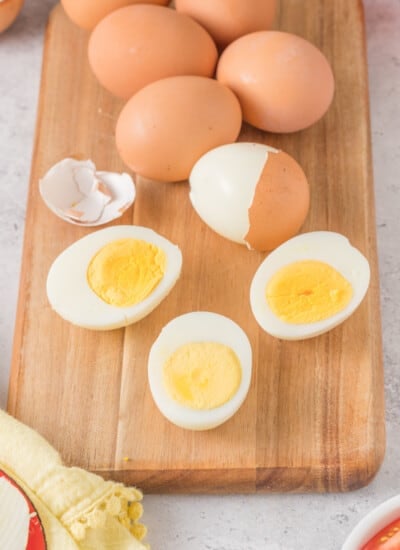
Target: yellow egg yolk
{"x": 124, "y": 272}
{"x": 307, "y": 292}
{"x": 202, "y": 375}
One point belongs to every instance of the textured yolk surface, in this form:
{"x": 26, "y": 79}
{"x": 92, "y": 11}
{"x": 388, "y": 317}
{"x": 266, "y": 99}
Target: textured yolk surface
{"x": 307, "y": 292}
{"x": 124, "y": 272}
{"x": 202, "y": 375}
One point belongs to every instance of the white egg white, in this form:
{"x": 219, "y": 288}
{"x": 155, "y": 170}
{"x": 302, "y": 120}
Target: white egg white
{"x": 198, "y": 326}
{"x": 324, "y": 246}
{"x": 222, "y": 186}
{"x": 72, "y": 298}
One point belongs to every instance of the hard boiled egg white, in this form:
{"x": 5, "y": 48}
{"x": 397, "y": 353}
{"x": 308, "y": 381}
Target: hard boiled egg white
{"x": 250, "y": 193}
{"x": 309, "y": 285}
{"x": 113, "y": 277}
{"x": 199, "y": 370}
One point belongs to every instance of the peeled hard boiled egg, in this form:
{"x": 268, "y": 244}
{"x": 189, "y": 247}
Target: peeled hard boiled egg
{"x": 309, "y": 285}
{"x": 88, "y": 13}
{"x": 139, "y": 44}
{"x": 168, "y": 125}
{"x": 250, "y": 193}
{"x": 113, "y": 277}
{"x": 227, "y": 20}
{"x": 283, "y": 82}
{"x": 199, "y": 370}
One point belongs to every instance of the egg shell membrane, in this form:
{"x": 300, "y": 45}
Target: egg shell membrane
{"x": 72, "y": 298}
{"x": 198, "y": 326}
{"x": 96, "y": 199}
{"x": 280, "y": 204}
{"x": 324, "y": 246}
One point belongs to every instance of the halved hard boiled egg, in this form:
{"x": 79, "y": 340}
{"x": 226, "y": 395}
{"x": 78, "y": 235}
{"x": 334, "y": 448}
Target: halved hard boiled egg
{"x": 199, "y": 370}
{"x": 113, "y": 277}
{"x": 250, "y": 193}
{"x": 309, "y": 285}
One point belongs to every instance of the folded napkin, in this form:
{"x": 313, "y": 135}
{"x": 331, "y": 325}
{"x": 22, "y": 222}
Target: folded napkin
{"x": 78, "y": 510}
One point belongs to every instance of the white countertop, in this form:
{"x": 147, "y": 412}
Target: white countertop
{"x": 259, "y": 522}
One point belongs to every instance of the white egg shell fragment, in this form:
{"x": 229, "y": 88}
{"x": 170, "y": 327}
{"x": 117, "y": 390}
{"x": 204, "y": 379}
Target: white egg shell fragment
{"x": 324, "y": 246}
{"x": 198, "y": 326}
{"x": 80, "y": 195}
{"x": 72, "y": 298}
{"x": 250, "y": 193}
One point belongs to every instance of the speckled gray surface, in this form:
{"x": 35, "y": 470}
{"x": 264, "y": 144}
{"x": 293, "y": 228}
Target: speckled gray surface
{"x": 261, "y": 522}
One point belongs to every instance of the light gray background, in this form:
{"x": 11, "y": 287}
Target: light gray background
{"x": 262, "y": 522}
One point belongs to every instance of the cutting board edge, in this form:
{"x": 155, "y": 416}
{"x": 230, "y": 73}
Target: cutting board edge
{"x": 12, "y": 399}
{"x": 317, "y": 479}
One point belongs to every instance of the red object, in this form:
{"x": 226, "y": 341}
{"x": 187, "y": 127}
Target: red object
{"x": 36, "y": 538}
{"x": 387, "y": 538}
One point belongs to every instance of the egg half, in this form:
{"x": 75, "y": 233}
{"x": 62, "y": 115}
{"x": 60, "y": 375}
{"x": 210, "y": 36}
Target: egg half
{"x": 113, "y": 277}
{"x": 199, "y": 370}
{"x": 250, "y": 193}
{"x": 309, "y": 285}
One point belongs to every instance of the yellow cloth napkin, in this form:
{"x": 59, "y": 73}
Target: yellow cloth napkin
{"x": 79, "y": 510}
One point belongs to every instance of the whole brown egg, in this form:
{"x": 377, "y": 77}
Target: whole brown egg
{"x": 136, "y": 45}
{"x": 284, "y": 83}
{"x": 227, "y": 20}
{"x": 9, "y": 10}
{"x": 87, "y": 13}
{"x": 168, "y": 125}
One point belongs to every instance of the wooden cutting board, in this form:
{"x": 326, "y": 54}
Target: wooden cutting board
{"x": 314, "y": 417}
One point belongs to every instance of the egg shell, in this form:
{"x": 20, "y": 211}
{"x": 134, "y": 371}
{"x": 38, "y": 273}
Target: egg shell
{"x": 9, "y": 10}
{"x": 139, "y": 44}
{"x": 250, "y": 193}
{"x": 167, "y": 126}
{"x": 283, "y": 82}
{"x": 324, "y": 246}
{"x": 80, "y": 195}
{"x": 86, "y": 14}
{"x": 72, "y": 298}
{"x": 227, "y": 20}
{"x": 198, "y": 326}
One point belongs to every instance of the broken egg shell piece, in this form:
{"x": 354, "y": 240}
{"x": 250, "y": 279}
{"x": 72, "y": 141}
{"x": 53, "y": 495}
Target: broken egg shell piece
{"x": 80, "y": 195}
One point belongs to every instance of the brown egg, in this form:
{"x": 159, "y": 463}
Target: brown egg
{"x": 250, "y": 193}
{"x": 168, "y": 125}
{"x": 9, "y": 10}
{"x": 137, "y": 45}
{"x": 283, "y": 82}
{"x": 280, "y": 204}
{"x": 87, "y": 13}
{"x": 227, "y": 20}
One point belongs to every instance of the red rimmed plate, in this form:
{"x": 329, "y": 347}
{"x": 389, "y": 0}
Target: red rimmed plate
{"x": 21, "y": 528}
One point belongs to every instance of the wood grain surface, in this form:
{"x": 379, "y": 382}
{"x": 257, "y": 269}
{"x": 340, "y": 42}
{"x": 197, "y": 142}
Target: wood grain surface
{"x": 314, "y": 417}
